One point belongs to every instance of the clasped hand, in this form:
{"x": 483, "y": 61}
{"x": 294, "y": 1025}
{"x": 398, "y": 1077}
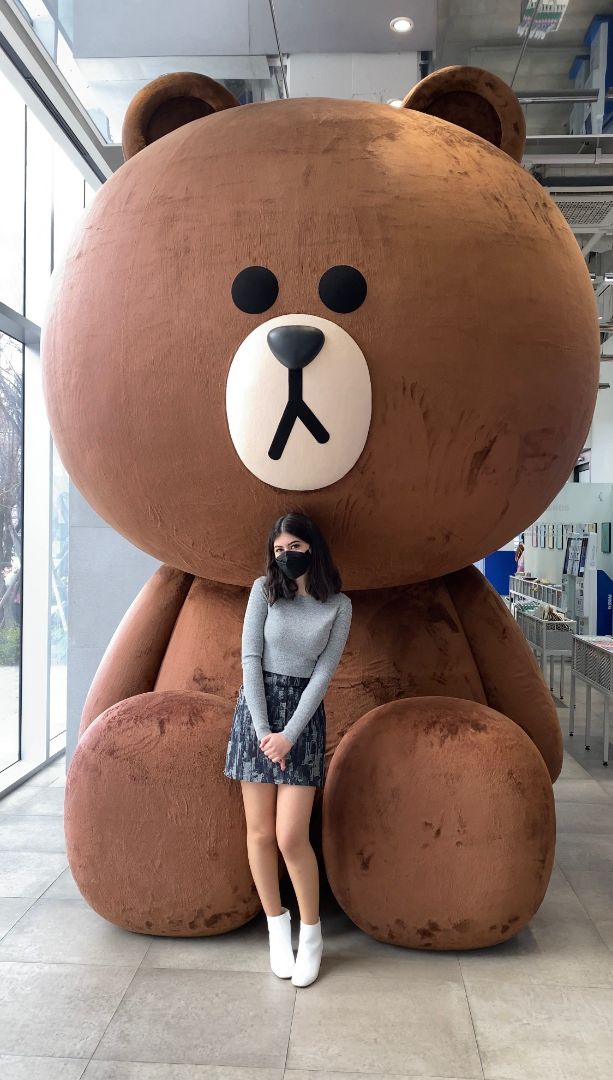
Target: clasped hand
{"x": 276, "y": 746}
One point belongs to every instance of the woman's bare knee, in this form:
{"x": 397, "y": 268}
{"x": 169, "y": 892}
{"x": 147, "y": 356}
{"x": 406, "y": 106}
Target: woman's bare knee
{"x": 257, "y": 834}
{"x": 292, "y": 843}
{"x": 294, "y": 806}
{"x": 260, "y": 805}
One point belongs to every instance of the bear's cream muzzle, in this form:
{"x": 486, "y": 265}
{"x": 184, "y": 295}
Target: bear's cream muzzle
{"x": 298, "y": 402}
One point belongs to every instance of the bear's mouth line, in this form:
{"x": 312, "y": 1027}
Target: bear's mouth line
{"x": 296, "y": 409}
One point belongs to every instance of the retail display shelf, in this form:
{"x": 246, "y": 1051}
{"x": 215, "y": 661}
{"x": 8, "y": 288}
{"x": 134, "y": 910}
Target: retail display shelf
{"x": 536, "y": 590}
{"x": 592, "y": 663}
{"x": 549, "y": 639}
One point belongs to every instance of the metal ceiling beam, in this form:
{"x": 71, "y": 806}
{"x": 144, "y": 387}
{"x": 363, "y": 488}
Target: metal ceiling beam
{"x": 550, "y": 97}
{"x": 567, "y": 159}
{"x": 590, "y": 244}
{"x": 605, "y": 139}
{"x": 569, "y": 150}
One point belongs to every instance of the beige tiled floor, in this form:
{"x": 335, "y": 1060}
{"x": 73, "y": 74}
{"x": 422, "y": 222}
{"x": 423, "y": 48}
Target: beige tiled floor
{"x": 81, "y": 998}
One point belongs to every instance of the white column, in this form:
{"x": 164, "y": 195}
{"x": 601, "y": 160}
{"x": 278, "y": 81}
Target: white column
{"x": 601, "y": 440}
{"x": 365, "y": 76}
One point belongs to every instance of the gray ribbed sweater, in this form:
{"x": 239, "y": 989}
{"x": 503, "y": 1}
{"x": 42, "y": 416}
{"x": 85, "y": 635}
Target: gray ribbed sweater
{"x": 302, "y": 636}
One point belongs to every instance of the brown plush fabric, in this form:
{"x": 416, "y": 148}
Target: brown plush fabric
{"x": 479, "y": 301}
{"x": 439, "y": 825}
{"x": 155, "y": 833}
{"x": 408, "y": 655}
{"x": 476, "y": 100}
{"x": 471, "y": 111}
{"x": 512, "y": 679}
{"x": 132, "y": 659}
{"x": 436, "y": 825}
{"x": 168, "y": 103}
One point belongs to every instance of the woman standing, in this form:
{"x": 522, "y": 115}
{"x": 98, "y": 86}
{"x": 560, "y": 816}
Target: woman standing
{"x": 519, "y": 555}
{"x": 295, "y": 629}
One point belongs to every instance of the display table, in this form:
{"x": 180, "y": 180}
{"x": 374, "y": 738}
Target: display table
{"x": 592, "y": 663}
{"x": 546, "y": 594}
{"x": 549, "y": 639}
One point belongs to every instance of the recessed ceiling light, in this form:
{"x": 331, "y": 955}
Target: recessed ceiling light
{"x": 396, "y": 102}
{"x": 402, "y": 24}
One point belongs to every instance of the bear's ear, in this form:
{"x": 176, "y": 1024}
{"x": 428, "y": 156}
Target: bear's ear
{"x": 474, "y": 99}
{"x": 168, "y": 103}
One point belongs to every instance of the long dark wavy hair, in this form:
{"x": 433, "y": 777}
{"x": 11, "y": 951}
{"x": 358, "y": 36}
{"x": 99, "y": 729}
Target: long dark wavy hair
{"x": 323, "y": 577}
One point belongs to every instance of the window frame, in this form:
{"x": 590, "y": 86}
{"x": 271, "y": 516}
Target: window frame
{"x": 45, "y": 92}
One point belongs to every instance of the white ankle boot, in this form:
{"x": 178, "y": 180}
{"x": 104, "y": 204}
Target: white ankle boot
{"x": 282, "y": 959}
{"x": 310, "y": 948}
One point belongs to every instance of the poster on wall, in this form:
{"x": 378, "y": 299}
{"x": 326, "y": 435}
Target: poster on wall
{"x": 579, "y": 529}
{"x": 605, "y": 537}
{"x": 550, "y": 535}
{"x": 535, "y": 536}
{"x": 575, "y": 557}
{"x": 567, "y": 530}
{"x": 559, "y": 536}
{"x": 591, "y": 527}
{"x": 541, "y": 536}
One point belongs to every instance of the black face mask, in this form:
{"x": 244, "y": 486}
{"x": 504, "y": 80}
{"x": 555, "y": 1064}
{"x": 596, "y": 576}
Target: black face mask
{"x": 293, "y": 563}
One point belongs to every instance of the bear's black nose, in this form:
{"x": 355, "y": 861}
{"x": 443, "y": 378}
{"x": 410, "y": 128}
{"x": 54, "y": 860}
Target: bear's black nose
{"x": 295, "y": 346}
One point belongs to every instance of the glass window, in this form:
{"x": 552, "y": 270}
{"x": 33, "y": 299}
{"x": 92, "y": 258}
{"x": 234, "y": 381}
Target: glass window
{"x": 105, "y": 89}
{"x": 38, "y": 217}
{"x": 68, "y": 201}
{"x": 58, "y": 599}
{"x": 42, "y": 196}
{"x": 12, "y": 195}
{"x": 65, "y": 11}
{"x": 11, "y": 539}
{"x": 42, "y": 22}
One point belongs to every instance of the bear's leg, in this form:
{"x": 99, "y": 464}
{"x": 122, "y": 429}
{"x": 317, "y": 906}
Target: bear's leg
{"x": 438, "y": 824}
{"x": 155, "y": 831}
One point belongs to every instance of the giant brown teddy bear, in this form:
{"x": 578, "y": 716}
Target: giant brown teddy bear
{"x": 432, "y": 386}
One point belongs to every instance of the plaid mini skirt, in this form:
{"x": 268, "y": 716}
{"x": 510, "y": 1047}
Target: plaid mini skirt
{"x": 304, "y": 764}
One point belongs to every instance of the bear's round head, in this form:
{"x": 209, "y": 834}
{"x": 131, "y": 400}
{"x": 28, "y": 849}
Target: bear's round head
{"x": 373, "y": 315}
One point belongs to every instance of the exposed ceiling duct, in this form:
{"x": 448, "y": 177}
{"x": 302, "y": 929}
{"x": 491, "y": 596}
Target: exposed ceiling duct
{"x": 586, "y": 201}
{"x": 586, "y": 211}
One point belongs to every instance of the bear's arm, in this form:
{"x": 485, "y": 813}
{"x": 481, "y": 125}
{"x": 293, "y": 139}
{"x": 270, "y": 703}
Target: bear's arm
{"x": 512, "y": 680}
{"x": 132, "y": 659}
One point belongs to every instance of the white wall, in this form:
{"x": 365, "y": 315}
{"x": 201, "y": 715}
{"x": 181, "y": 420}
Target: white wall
{"x": 575, "y": 504}
{"x": 601, "y": 436}
{"x": 366, "y": 76}
{"x": 106, "y": 572}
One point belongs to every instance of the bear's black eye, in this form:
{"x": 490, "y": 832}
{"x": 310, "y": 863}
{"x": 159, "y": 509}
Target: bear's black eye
{"x": 255, "y": 289}
{"x": 342, "y": 288}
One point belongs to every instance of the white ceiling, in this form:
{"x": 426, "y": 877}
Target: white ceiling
{"x": 119, "y": 45}
{"x": 215, "y": 27}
